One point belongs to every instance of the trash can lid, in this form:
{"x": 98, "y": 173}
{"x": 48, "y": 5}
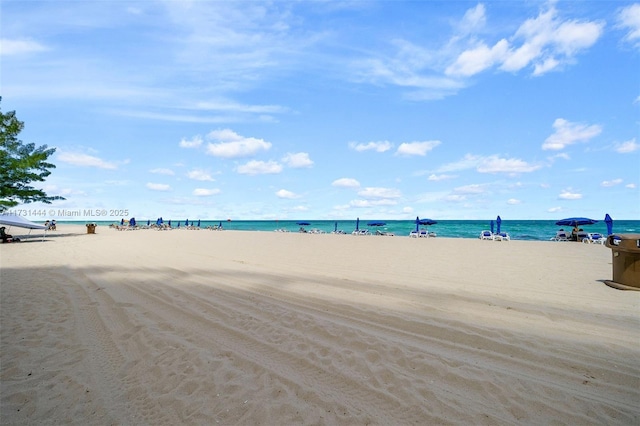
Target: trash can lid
{"x": 627, "y": 242}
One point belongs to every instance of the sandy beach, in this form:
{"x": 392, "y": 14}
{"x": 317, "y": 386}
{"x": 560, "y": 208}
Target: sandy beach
{"x": 207, "y": 327}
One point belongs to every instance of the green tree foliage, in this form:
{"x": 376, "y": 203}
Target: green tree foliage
{"x": 20, "y": 165}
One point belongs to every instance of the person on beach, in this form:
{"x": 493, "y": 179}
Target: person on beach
{"x": 7, "y": 238}
{"x": 574, "y": 233}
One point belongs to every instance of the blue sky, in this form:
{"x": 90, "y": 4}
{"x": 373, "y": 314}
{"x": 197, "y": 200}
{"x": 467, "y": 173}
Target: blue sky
{"x": 330, "y": 109}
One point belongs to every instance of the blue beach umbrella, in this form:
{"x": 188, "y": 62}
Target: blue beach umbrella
{"x": 609, "y": 222}
{"x": 198, "y": 223}
{"x": 169, "y": 223}
{"x": 148, "y": 222}
{"x": 357, "y": 224}
{"x": 122, "y": 221}
{"x": 186, "y": 222}
{"x": 335, "y": 227}
{"x": 425, "y": 222}
{"x": 576, "y": 221}
{"x": 498, "y": 223}
{"x": 220, "y": 225}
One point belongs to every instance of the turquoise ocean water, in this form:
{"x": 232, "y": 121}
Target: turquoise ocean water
{"x": 532, "y": 230}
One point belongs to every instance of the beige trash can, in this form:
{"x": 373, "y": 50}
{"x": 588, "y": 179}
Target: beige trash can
{"x": 91, "y": 228}
{"x": 625, "y": 252}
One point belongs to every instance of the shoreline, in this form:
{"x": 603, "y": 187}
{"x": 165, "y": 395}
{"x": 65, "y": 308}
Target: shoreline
{"x": 239, "y": 327}
{"x": 405, "y": 230}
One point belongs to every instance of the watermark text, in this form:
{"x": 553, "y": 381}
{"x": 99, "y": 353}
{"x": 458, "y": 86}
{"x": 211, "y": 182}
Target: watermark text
{"x": 69, "y": 213}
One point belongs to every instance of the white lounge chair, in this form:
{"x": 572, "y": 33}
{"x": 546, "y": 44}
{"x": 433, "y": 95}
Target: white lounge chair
{"x": 486, "y": 235}
{"x": 595, "y": 238}
{"x": 561, "y": 235}
{"x": 503, "y": 236}
{"x": 414, "y": 234}
{"x": 582, "y": 236}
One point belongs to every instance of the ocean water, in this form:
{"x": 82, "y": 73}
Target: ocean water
{"x": 532, "y": 230}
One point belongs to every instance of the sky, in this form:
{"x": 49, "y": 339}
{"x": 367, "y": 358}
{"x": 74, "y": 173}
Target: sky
{"x": 328, "y": 110}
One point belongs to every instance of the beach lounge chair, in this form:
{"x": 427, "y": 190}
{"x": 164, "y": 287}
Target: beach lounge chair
{"x": 595, "y": 238}
{"x": 486, "y": 235}
{"x": 582, "y": 236}
{"x": 503, "y": 236}
{"x": 414, "y": 234}
{"x": 561, "y": 235}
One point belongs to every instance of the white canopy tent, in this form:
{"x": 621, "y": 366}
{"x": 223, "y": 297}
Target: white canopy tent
{"x": 20, "y": 222}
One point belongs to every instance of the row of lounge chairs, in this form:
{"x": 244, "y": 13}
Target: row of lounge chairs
{"x": 366, "y": 232}
{"x": 494, "y": 236}
{"x": 580, "y": 236}
{"x": 423, "y": 233}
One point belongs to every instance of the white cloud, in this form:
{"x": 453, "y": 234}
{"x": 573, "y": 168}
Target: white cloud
{"x": 158, "y": 186}
{"x": 195, "y": 142}
{"x": 495, "y": 164}
{"x": 254, "y": 167}
{"x": 474, "y": 19}
{"x": 629, "y": 19}
{"x": 204, "y": 192}
{"x": 455, "y": 198}
{"x": 372, "y": 203}
{"x": 376, "y": 193}
{"x": 437, "y": 178}
{"x": 567, "y": 133}
{"x": 18, "y": 47}
{"x": 232, "y": 145}
{"x": 471, "y": 189}
{"x": 416, "y": 148}
{"x": 478, "y": 59}
{"x": 200, "y": 175}
{"x": 346, "y": 183}
{"x": 161, "y": 171}
{"x": 547, "y": 42}
{"x": 283, "y": 193}
{"x": 513, "y": 201}
{"x": 298, "y": 160}
{"x": 561, "y": 155}
{"x": 627, "y": 147}
{"x": 86, "y": 160}
{"x": 568, "y": 195}
{"x": 554, "y": 209}
{"x": 490, "y": 164}
{"x": 609, "y": 183}
{"x": 630, "y": 185}
{"x": 371, "y": 146}
{"x": 469, "y": 161}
